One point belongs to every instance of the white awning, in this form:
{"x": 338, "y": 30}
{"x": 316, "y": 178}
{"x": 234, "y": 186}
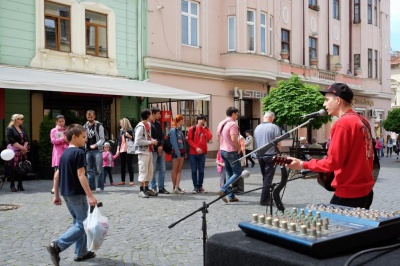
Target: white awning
{"x": 47, "y": 80}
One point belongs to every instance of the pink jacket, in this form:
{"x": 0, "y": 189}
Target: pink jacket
{"x": 59, "y": 145}
{"x": 106, "y": 159}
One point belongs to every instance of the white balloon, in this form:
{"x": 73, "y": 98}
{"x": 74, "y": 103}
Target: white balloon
{"x": 7, "y": 154}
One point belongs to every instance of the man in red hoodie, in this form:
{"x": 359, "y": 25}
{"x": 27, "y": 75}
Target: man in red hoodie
{"x": 197, "y": 138}
{"x": 350, "y": 152}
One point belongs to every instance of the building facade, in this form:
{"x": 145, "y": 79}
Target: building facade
{"x": 235, "y": 51}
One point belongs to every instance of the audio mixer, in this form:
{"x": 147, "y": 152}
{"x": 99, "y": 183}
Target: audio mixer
{"x": 324, "y": 229}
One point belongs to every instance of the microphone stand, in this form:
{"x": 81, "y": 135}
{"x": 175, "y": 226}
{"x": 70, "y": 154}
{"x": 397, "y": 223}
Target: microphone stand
{"x": 204, "y": 211}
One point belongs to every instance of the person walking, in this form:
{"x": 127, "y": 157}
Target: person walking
{"x": 178, "y": 153}
{"x": 70, "y": 178}
{"x": 389, "y": 146}
{"x": 108, "y": 163}
{"x": 197, "y": 138}
{"x": 249, "y": 145}
{"x": 382, "y": 141}
{"x": 353, "y": 179}
{"x": 158, "y": 152}
{"x": 59, "y": 141}
{"x": 125, "y": 134}
{"x": 228, "y": 138}
{"x": 264, "y": 133}
{"x": 19, "y": 143}
{"x": 94, "y": 148}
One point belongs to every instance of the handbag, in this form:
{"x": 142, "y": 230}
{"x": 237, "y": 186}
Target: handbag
{"x": 24, "y": 168}
{"x": 130, "y": 146}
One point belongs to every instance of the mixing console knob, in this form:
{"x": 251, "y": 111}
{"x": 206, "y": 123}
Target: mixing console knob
{"x": 276, "y": 223}
{"x": 303, "y": 230}
{"x": 284, "y": 225}
{"x": 261, "y": 219}
{"x": 313, "y": 232}
{"x": 255, "y": 218}
{"x": 269, "y": 221}
{"x": 319, "y": 227}
{"x": 292, "y": 227}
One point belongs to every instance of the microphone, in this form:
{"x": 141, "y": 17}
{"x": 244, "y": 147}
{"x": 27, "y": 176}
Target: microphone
{"x": 321, "y": 112}
{"x": 245, "y": 174}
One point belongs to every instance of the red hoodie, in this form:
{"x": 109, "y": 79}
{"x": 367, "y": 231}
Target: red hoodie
{"x": 350, "y": 157}
{"x": 199, "y": 140}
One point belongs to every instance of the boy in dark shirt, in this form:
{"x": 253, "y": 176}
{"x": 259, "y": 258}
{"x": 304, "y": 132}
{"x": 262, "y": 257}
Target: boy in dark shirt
{"x": 76, "y": 193}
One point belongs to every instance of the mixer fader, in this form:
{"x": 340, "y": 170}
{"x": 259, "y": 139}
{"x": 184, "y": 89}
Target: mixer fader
{"x": 324, "y": 229}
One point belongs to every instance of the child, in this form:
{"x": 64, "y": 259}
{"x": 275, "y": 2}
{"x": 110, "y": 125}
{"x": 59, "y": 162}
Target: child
{"x": 76, "y": 192}
{"x": 108, "y": 162}
{"x": 221, "y": 169}
{"x": 378, "y": 145}
{"x": 59, "y": 141}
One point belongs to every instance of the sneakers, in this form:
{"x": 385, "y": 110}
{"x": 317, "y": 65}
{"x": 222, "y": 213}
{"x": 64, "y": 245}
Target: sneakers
{"x": 122, "y": 183}
{"x": 201, "y": 190}
{"x": 99, "y": 190}
{"x": 181, "y": 190}
{"x": 143, "y": 195}
{"x": 112, "y": 184}
{"x": 177, "y": 191}
{"x": 54, "y": 253}
{"x": 151, "y": 193}
{"x": 234, "y": 199}
{"x": 194, "y": 191}
{"x": 131, "y": 184}
{"x": 223, "y": 198}
{"x": 88, "y": 255}
{"x": 163, "y": 191}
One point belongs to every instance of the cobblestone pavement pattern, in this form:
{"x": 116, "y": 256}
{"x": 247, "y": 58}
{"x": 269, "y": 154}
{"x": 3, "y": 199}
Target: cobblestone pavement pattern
{"x": 139, "y": 233}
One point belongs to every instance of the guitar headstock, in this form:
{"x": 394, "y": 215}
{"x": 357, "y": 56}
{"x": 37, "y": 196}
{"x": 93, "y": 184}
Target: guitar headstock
{"x": 281, "y": 160}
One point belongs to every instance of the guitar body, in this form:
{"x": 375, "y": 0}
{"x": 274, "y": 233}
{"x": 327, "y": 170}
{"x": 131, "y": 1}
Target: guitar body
{"x": 325, "y": 180}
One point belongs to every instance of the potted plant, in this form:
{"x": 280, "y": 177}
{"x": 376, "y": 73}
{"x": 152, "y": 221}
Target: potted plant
{"x": 45, "y": 149}
{"x": 284, "y": 54}
{"x": 314, "y": 7}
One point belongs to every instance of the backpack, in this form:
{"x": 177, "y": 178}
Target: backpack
{"x": 167, "y": 145}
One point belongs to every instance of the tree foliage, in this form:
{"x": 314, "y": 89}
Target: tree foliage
{"x": 292, "y": 99}
{"x": 392, "y": 122}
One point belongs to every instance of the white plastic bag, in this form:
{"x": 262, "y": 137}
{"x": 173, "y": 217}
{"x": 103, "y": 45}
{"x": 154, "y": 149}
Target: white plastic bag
{"x": 96, "y": 227}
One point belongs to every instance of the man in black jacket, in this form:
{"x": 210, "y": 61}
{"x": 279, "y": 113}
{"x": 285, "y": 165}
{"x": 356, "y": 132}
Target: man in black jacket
{"x": 158, "y": 152}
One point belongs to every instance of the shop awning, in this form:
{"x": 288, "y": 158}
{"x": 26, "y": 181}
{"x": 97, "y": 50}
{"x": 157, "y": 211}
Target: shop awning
{"x": 47, "y": 80}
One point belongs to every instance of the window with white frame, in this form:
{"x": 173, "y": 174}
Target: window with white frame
{"x": 285, "y": 42}
{"x": 369, "y": 12}
{"x": 312, "y": 47}
{"x": 336, "y": 9}
{"x": 376, "y": 12}
{"x": 57, "y": 24}
{"x": 376, "y": 63}
{"x": 231, "y": 33}
{"x": 336, "y": 49}
{"x": 251, "y": 31}
{"x": 357, "y": 18}
{"x": 263, "y": 31}
{"x": 190, "y": 23}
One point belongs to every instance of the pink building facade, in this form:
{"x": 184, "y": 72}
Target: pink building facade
{"x": 235, "y": 50}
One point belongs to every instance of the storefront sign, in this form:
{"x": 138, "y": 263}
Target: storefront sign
{"x": 363, "y": 101}
{"x": 248, "y": 94}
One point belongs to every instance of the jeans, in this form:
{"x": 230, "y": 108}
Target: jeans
{"x": 94, "y": 169}
{"x": 78, "y": 207}
{"x": 268, "y": 172}
{"x": 233, "y": 170}
{"x": 160, "y": 161}
{"x": 382, "y": 153}
{"x": 197, "y": 162}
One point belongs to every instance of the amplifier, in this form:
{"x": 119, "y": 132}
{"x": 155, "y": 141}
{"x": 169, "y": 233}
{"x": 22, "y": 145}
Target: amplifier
{"x": 324, "y": 229}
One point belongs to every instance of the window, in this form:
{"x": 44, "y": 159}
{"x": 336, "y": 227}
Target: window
{"x": 285, "y": 43}
{"x": 369, "y": 12}
{"x": 376, "y": 12}
{"x": 263, "y": 29}
{"x": 336, "y": 9}
{"x": 312, "y": 2}
{"x": 231, "y": 33}
{"x": 376, "y": 63}
{"x": 335, "y": 49}
{"x": 251, "y": 34}
{"x": 96, "y": 34}
{"x": 356, "y": 61}
{"x": 270, "y": 37}
{"x": 57, "y": 27}
{"x": 370, "y": 63}
{"x": 312, "y": 46}
{"x": 357, "y": 11}
{"x": 190, "y": 23}
{"x": 190, "y": 109}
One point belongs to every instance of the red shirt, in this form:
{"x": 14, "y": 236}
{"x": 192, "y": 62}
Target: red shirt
{"x": 199, "y": 140}
{"x": 350, "y": 157}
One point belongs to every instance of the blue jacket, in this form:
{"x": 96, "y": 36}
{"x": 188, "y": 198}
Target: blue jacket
{"x": 177, "y": 143}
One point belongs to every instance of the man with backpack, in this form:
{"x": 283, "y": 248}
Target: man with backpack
{"x": 197, "y": 138}
{"x": 94, "y": 149}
